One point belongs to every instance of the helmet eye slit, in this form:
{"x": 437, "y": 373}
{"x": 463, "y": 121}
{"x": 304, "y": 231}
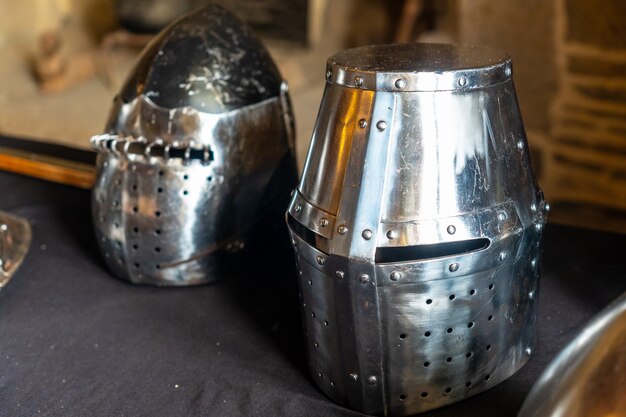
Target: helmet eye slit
{"x": 427, "y": 252}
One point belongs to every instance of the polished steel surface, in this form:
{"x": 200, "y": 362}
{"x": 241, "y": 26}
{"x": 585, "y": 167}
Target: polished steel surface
{"x": 417, "y": 227}
{"x": 15, "y": 238}
{"x": 588, "y": 378}
{"x": 198, "y": 151}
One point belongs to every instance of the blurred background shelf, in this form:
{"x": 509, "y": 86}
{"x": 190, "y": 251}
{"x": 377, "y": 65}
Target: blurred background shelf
{"x": 569, "y": 69}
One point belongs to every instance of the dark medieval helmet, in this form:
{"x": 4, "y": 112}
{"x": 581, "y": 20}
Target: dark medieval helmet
{"x": 198, "y": 149}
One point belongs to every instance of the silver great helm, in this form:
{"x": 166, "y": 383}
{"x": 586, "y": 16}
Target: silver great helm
{"x": 198, "y": 151}
{"x": 417, "y": 227}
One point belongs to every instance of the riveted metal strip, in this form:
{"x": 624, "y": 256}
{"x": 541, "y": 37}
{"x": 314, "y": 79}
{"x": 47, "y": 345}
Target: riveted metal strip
{"x": 359, "y": 210}
{"x": 419, "y": 81}
{"x": 502, "y": 252}
{"x": 310, "y": 216}
{"x": 363, "y": 185}
{"x": 311, "y": 254}
{"x": 489, "y": 223}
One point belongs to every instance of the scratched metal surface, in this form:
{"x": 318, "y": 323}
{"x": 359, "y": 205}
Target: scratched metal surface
{"x": 209, "y": 60}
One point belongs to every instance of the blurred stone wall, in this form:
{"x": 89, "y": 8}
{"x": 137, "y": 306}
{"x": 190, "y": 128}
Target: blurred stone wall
{"x": 588, "y": 133}
{"x": 569, "y": 66}
{"x": 25, "y": 20}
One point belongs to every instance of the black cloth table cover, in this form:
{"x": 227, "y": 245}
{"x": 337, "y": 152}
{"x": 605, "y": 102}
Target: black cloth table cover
{"x": 75, "y": 341}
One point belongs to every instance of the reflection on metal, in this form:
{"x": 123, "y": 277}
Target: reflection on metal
{"x": 417, "y": 228}
{"x": 588, "y": 378}
{"x": 15, "y": 238}
{"x": 197, "y": 151}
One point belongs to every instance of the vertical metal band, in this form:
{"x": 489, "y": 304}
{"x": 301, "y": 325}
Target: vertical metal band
{"x": 359, "y": 212}
{"x": 363, "y": 185}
